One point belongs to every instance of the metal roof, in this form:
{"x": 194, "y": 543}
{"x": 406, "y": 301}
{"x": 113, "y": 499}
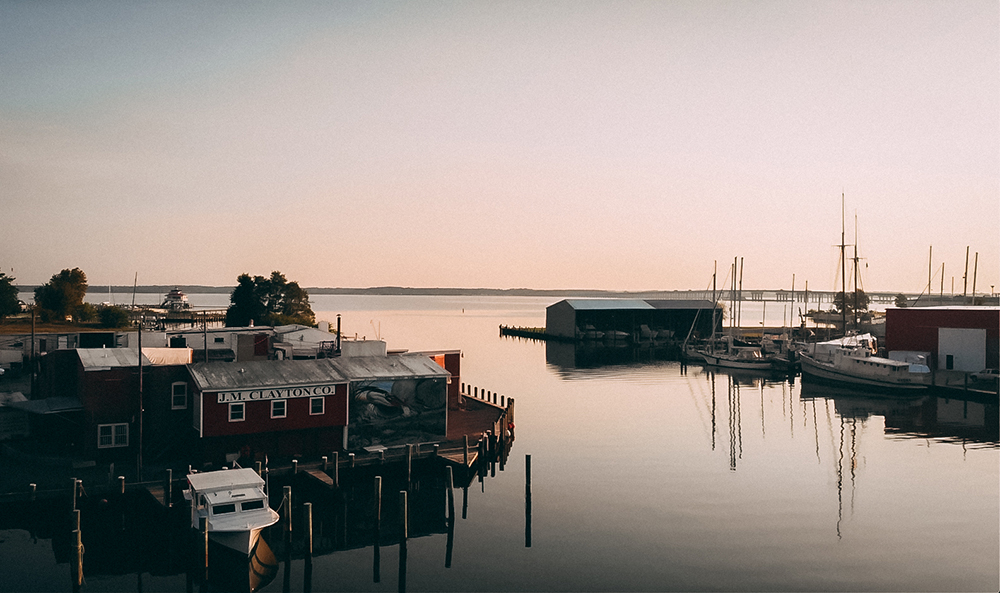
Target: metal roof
{"x": 225, "y": 376}
{"x": 607, "y": 304}
{"x": 401, "y": 366}
{"x": 48, "y": 405}
{"x": 103, "y": 359}
{"x": 680, "y": 304}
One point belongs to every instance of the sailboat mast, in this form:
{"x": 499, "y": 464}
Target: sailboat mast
{"x": 843, "y": 266}
{"x": 855, "y": 269}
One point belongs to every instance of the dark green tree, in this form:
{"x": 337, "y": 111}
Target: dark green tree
{"x": 268, "y": 301}
{"x": 858, "y": 296}
{"x": 62, "y": 295}
{"x": 113, "y": 316}
{"x": 901, "y": 300}
{"x": 9, "y": 304}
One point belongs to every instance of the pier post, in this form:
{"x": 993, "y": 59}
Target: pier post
{"x": 502, "y": 401}
{"x": 307, "y": 509}
{"x": 76, "y": 566}
{"x": 377, "y": 535}
{"x": 326, "y": 464}
{"x": 203, "y": 526}
{"x": 351, "y": 457}
{"x": 404, "y": 533}
{"x": 409, "y": 466}
{"x": 527, "y": 501}
{"x": 450, "y": 544}
{"x": 121, "y": 485}
{"x": 295, "y": 466}
{"x": 336, "y": 469}
{"x": 168, "y": 489}
{"x": 465, "y": 451}
{"x": 259, "y": 468}
{"x": 287, "y": 502}
{"x": 32, "y": 489}
{"x": 72, "y": 493}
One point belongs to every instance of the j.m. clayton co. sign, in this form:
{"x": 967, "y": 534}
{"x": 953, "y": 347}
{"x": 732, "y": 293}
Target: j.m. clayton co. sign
{"x": 225, "y": 397}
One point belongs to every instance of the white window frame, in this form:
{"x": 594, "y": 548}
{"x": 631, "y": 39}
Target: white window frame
{"x": 284, "y": 408}
{"x": 174, "y": 395}
{"x": 322, "y": 406}
{"x": 110, "y": 436}
{"x": 241, "y": 406}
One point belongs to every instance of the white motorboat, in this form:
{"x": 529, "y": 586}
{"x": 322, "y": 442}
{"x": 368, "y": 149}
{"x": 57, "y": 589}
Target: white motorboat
{"x": 854, "y": 364}
{"x": 235, "y": 505}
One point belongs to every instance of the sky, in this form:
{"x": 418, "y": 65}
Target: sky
{"x": 618, "y": 145}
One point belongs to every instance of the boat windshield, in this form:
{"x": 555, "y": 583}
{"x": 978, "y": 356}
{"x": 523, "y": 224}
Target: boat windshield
{"x": 251, "y": 505}
{"x": 223, "y": 509}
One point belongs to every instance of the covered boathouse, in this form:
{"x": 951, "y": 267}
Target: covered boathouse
{"x": 572, "y": 319}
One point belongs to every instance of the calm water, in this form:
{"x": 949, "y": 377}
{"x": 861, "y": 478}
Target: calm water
{"x": 650, "y": 476}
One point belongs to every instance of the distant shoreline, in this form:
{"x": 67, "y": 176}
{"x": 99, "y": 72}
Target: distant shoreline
{"x": 412, "y": 291}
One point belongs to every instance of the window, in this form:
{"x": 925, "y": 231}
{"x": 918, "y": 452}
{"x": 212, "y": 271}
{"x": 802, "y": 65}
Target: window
{"x": 251, "y": 505}
{"x": 178, "y": 396}
{"x": 220, "y": 340}
{"x": 278, "y": 408}
{"x": 222, "y": 509}
{"x": 236, "y": 412}
{"x": 112, "y": 435}
{"x": 317, "y": 405}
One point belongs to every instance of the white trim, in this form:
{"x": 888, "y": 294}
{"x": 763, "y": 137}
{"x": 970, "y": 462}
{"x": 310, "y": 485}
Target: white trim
{"x": 173, "y": 394}
{"x": 243, "y": 411}
{"x": 322, "y": 410}
{"x": 114, "y": 435}
{"x": 284, "y": 408}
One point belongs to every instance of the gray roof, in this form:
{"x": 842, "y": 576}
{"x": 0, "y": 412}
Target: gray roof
{"x": 49, "y": 405}
{"x": 606, "y": 304}
{"x": 680, "y": 304}
{"x": 223, "y": 376}
{"x": 403, "y": 366}
{"x": 103, "y": 359}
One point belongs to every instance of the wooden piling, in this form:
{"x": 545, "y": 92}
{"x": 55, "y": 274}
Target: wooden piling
{"x": 465, "y": 451}
{"x": 121, "y": 485}
{"x": 326, "y": 464}
{"x": 295, "y": 466}
{"x": 168, "y": 489}
{"x": 287, "y": 502}
{"x": 336, "y": 470}
{"x": 307, "y": 509}
{"x": 77, "y": 561}
{"x": 259, "y": 468}
{"x": 32, "y": 490}
{"x": 377, "y": 535}
{"x": 203, "y": 526}
{"x": 351, "y": 457}
{"x": 527, "y": 501}
{"x": 72, "y": 493}
{"x": 450, "y": 485}
{"x": 409, "y": 466}
{"x": 404, "y": 533}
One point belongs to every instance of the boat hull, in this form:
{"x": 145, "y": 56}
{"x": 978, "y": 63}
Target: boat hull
{"x": 729, "y": 363}
{"x": 830, "y": 373}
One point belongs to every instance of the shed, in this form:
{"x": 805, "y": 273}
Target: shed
{"x": 572, "y": 318}
{"x": 962, "y": 338}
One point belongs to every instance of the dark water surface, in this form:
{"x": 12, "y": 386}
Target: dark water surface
{"x": 647, "y": 475}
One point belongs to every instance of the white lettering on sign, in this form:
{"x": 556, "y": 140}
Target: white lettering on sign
{"x": 225, "y": 397}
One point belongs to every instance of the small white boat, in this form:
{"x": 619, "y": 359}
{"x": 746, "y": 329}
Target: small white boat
{"x": 235, "y": 505}
{"x": 738, "y": 357}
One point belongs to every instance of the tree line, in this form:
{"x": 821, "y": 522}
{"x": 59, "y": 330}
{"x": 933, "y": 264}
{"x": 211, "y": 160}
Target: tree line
{"x": 262, "y": 300}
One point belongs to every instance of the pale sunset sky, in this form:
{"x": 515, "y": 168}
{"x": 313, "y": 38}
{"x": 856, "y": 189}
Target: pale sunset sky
{"x": 618, "y": 145}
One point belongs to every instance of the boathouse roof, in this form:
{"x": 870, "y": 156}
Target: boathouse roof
{"x": 359, "y": 368}
{"x": 680, "y": 304}
{"x": 224, "y": 376}
{"x": 604, "y": 304}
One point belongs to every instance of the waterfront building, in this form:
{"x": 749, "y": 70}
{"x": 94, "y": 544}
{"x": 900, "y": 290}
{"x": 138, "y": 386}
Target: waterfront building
{"x": 956, "y": 337}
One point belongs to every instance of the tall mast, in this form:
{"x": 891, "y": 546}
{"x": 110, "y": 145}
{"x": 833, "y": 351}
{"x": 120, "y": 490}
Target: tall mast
{"x": 843, "y": 267}
{"x": 855, "y": 269}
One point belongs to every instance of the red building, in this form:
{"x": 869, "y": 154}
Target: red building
{"x": 283, "y": 408}
{"x": 958, "y": 338}
{"x": 88, "y": 401}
